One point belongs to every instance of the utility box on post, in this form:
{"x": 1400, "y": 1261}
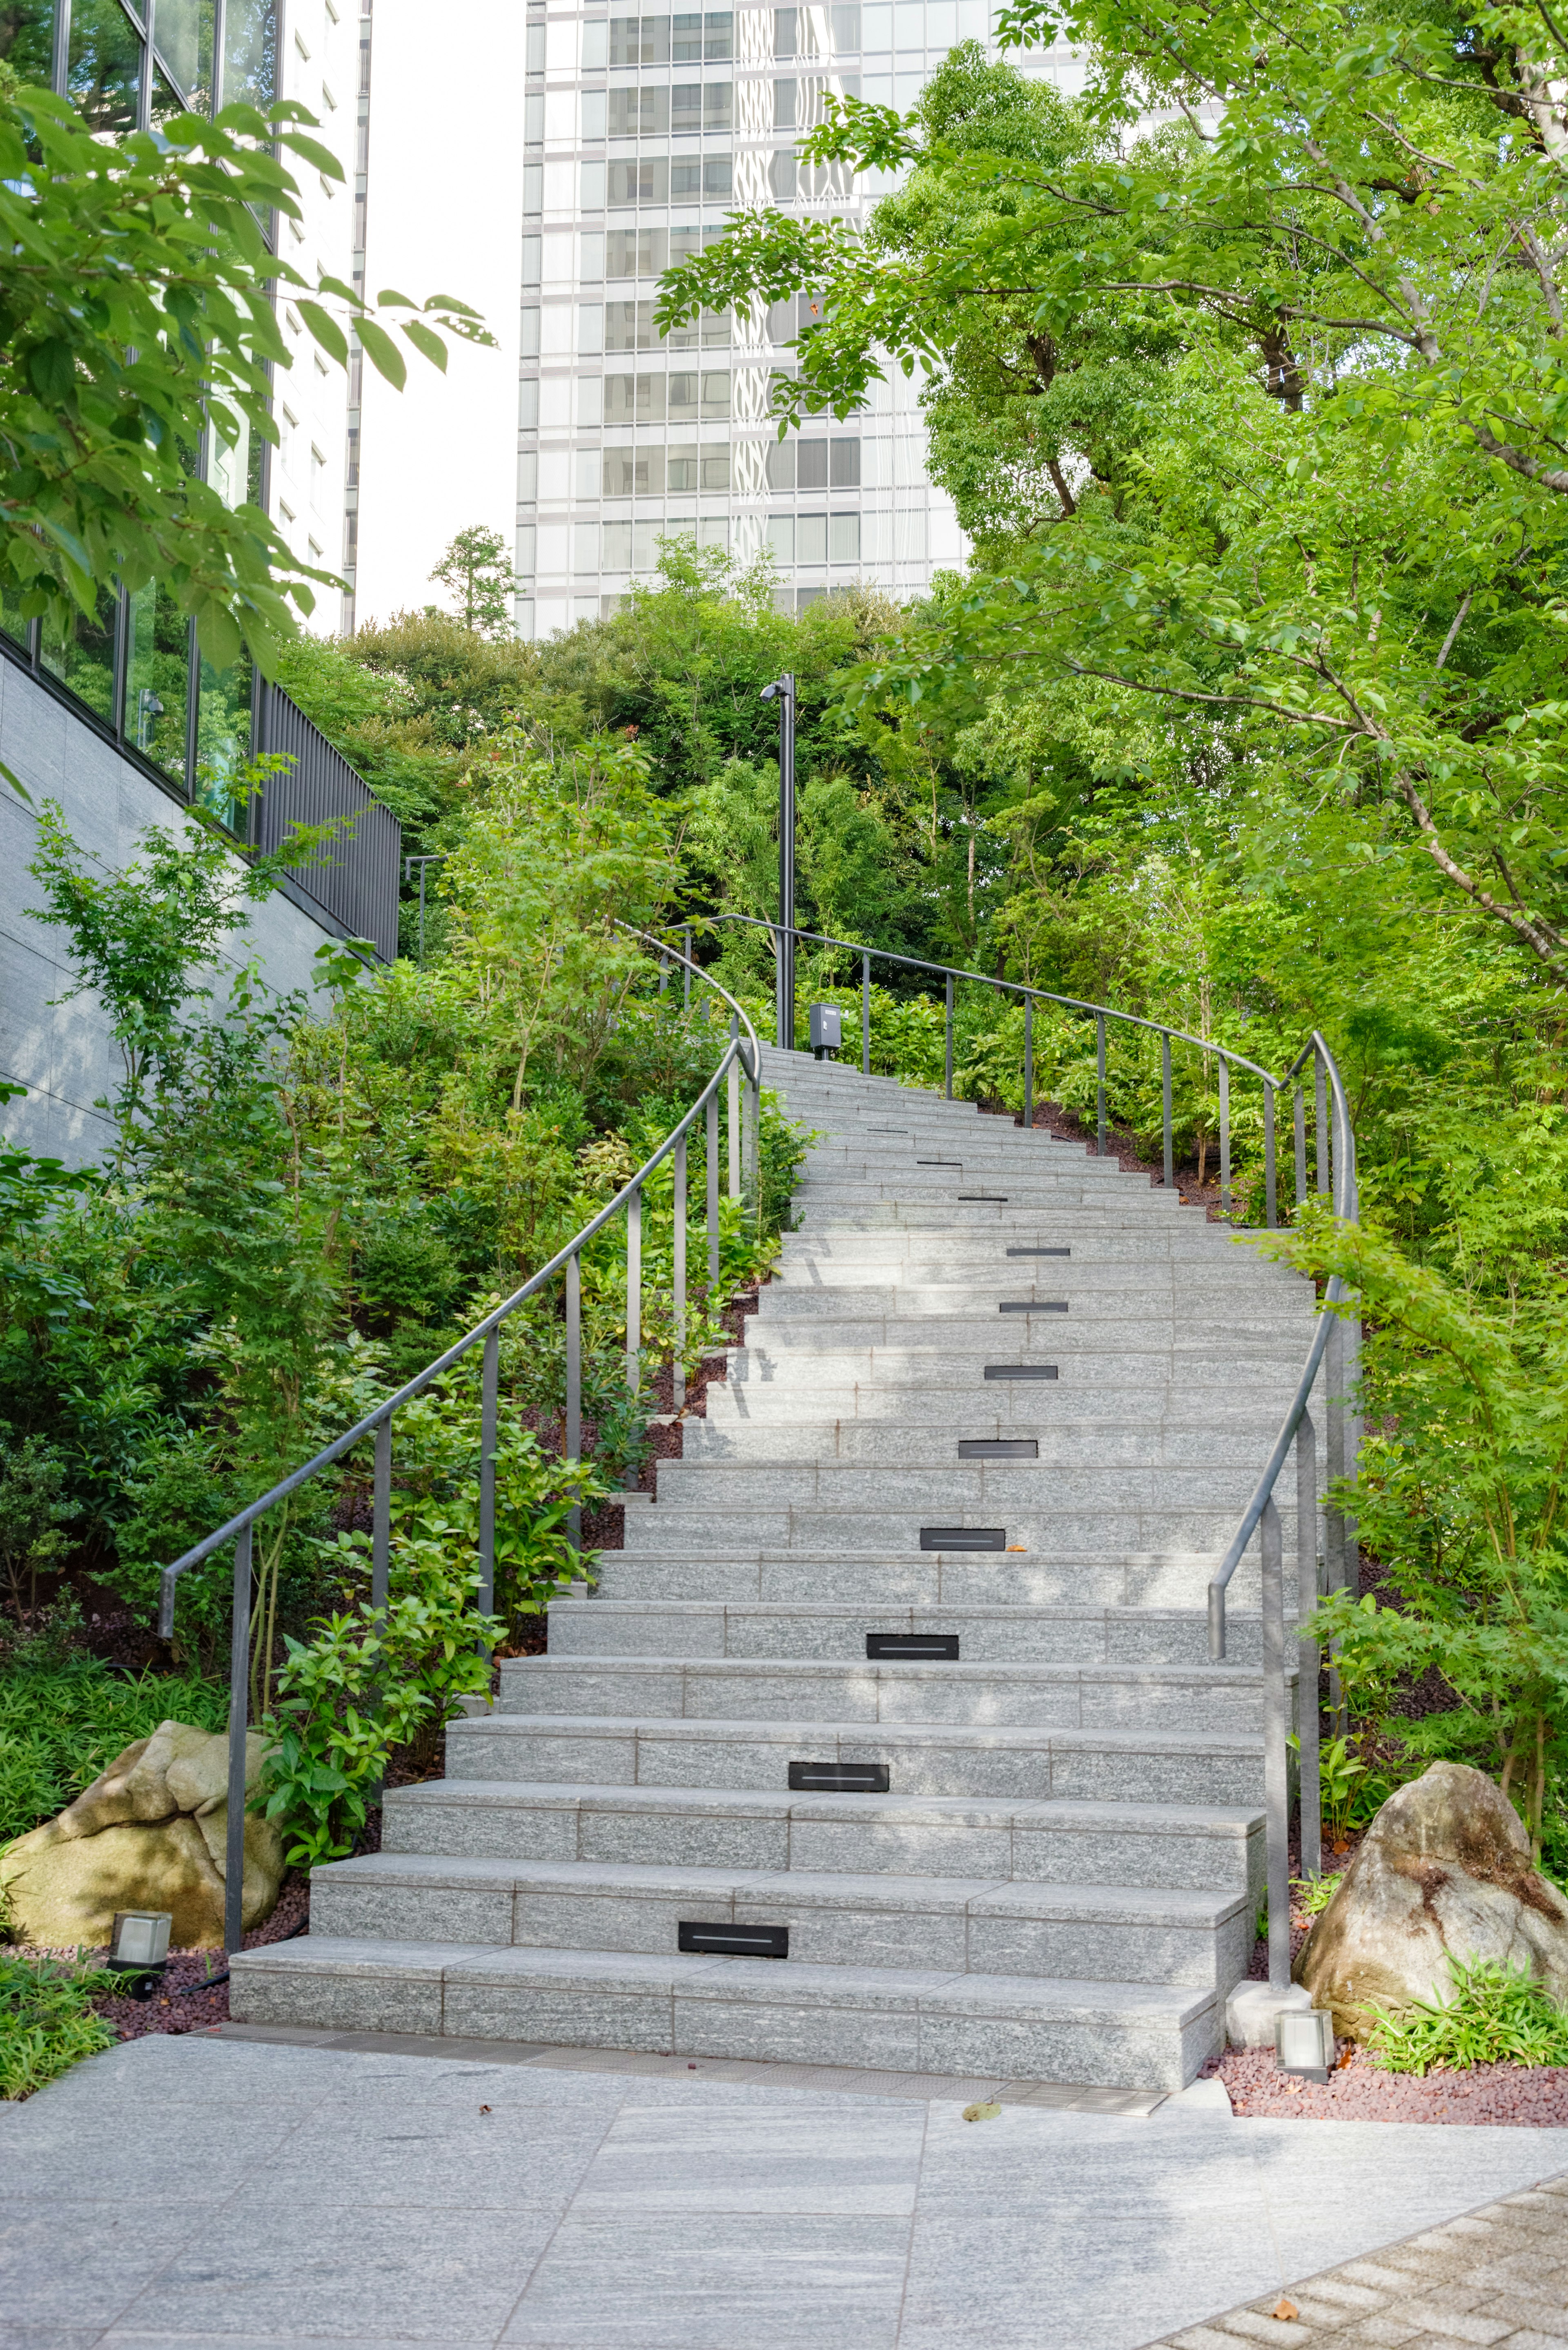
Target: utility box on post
{"x": 827, "y": 1031}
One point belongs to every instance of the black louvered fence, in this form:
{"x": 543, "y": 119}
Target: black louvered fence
{"x": 356, "y": 880}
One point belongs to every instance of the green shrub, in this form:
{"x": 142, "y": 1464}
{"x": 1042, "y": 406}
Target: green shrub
{"x": 61, "y": 1722}
{"x": 47, "y": 2021}
{"x": 1496, "y": 2016}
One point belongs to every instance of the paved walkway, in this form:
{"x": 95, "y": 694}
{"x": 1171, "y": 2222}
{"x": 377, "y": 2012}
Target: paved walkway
{"x": 205, "y": 2192}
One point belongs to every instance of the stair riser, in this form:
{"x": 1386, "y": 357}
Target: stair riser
{"x": 966, "y": 1403}
{"x": 1016, "y": 1488}
{"x": 601, "y": 1628}
{"x": 985, "y": 1579}
{"x": 667, "y": 1532}
{"x": 1103, "y": 1371}
{"x": 1096, "y": 2053}
{"x": 831, "y": 1446}
{"x": 921, "y": 1760}
{"x": 1206, "y": 1957}
{"x": 601, "y": 1832}
{"x": 838, "y": 1695}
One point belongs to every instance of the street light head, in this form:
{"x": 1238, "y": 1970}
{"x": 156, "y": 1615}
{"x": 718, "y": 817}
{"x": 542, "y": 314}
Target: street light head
{"x": 781, "y": 689}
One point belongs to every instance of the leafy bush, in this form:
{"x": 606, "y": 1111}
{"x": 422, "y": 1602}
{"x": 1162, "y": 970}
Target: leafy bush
{"x": 1314, "y": 1894}
{"x": 60, "y": 1723}
{"x": 362, "y": 1687}
{"x": 47, "y": 2021}
{"x": 1496, "y": 2016}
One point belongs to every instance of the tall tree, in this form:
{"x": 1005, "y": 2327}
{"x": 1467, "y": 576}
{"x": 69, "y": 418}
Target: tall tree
{"x": 476, "y": 571}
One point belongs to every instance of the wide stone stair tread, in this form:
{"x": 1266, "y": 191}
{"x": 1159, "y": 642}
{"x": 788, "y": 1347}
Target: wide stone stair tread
{"x": 1061, "y": 1881}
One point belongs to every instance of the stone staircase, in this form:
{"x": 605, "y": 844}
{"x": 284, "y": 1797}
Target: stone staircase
{"x": 891, "y": 1738}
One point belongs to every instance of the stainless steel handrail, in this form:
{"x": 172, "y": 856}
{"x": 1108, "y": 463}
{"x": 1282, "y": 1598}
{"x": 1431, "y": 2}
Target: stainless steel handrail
{"x": 741, "y": 1063}
{"x": 1335, "y": 1338}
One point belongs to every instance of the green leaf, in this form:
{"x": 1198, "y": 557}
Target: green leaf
{"x": 325, "y": 328}
{"x": 382, "y": 353}
{"x": 424, "y": 340}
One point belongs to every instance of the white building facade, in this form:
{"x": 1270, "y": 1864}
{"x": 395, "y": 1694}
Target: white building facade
{"x": 640, "y": 133}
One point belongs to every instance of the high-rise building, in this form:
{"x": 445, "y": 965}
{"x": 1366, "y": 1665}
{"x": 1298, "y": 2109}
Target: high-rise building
{"x": 640, "y": 133}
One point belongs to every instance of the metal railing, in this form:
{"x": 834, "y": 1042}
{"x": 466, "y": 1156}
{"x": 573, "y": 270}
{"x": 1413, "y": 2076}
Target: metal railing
{"x": 1335, "y": 1341}
{"x": 739, "y": 1070}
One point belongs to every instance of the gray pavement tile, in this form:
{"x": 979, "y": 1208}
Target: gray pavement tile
{"x": 711, "y": 2282}
{"x": 329, "y": 2269}
{"x": 47, "y": 2337}
{"x": 196, "y": 2154}
{"x": 440, "y": 2154}
{"x": 74, "y": 2261}
{"x": 712, "y": 2157}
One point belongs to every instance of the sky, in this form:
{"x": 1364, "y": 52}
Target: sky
{"x": 445, "y": 108}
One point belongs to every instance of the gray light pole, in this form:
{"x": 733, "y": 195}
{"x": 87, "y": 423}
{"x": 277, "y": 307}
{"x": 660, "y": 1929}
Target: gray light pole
{"x": 781, "y": 690}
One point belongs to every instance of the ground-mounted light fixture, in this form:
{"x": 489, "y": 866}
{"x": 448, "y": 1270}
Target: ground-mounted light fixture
{"x": 1303, "y": 2042}
{"x": 140, "y": 1948}
{"x": 827, "y": 1031}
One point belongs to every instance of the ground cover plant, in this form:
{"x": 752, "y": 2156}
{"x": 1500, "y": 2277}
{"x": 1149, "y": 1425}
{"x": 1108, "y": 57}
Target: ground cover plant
{"x": 46, "y": 2019}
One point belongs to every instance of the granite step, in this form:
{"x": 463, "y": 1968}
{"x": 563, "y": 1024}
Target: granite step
{"x": 1072, "y": 1840}
{"x": 966, "y": 1926}
{"x": 1174, "y": 1578}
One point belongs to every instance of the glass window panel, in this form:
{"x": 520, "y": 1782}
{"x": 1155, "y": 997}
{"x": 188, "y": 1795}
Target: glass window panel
{"x": 846, "y": 31}
{"x": 781, "y": 538}
{"x": 686, "y": 106}
{"x": 528, "y": 404}
{"x": 715, "y": 396}
{"x": 718, "y": 105}
{"x": 183, "y": 36}
{"x": 593, "y": 40}
{"x": 718, "y": 176}
{"x": 639, "y": 41}
{"x": 686, "y": 39}
{"x": 783, "y": 176}
{"x": 588, "y": 474}
{"x": 166, "y": 101}
{"x": 83, "y": 656}
{"x": 876, "y": 26}
{"x": 157, "y": 679}
{"x": 231, "y": 464}
{"x": 105, "y": 75}
{"x": 844, "y": 537}
{"x": 716, "y": 469}
{"x": 646, "y": 182}
{"x": 586, "y": 547}
{"x": 534, "y": 120}
{"x": 716, "y": 329}
{"x": 783, "y": 32}
{"x": 683, "y": 463}
{"x": 614, "y": 547}
{"x": 718, "y": 35}
{"x": 811, "y": 538}
{"x": 683, "y": 398}
{"x": 811, "y": 465}
{"x": 781, "y": 466}
{"x": 11, "y": 619}
{"x": 250, "y": 52}
{"x": 527, "y": 537}
{"x": 224, "y": 741}
{"x": 845, "y": 464}
{"x": 784, "y": 105}
{"x": 27, "y": 39}
{"x": 942, "y": 24}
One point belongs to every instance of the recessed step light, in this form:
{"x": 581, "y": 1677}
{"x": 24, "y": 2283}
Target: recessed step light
{"x": 963, "y": 1538}
{"x": 1032, "y": 1305}
{"x": 999, "y": 1448}
{"x": 941, "y": 1646}
{"x": 733, "y": 1941}
{"x": 938, "y": 1162}
{"x": 1021, "y": 1371}
{"x": 1039, "y": 1252}
{"x": 999, "y": 1196}
{"x": 839, "y": 1778}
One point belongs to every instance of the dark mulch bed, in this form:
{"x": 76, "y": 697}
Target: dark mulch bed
{"x": 1360, "y": 2091}
{"x": 183, "y": 2004}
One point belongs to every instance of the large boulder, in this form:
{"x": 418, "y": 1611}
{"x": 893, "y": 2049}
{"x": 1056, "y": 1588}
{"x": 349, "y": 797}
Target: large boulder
{"x": 1445, "y": 1871}
{"x": 150, "y": 1833}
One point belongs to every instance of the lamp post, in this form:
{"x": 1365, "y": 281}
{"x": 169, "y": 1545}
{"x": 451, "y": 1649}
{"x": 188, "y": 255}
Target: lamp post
{"x": 409, "y": 864}
{"x": 781, "y": 690}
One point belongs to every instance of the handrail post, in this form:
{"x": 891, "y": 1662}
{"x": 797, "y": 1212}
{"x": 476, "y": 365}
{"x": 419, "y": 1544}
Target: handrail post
{"x": 1224, "y": 1135}
{"x": 865, "y": 1015}
{"x": 678, "y": 1368}
{"x": 735, "y": 1109}
{"x": 752, "y": 1136}
{"x": 573, "y": 1429}
{"x": 1324, "y": 1164}
{"x": 633, "y": 1306}
{"x": 1308, "y": 1663}
{"x": 686, "y": 972}
{"x": 1029, "y": 1060}
{"x": 711, "y": 1140}
{"x": 381, "y": 1518}
{"x": 489, "y": 1418}
{"x": 1271, "y": 1183}
{"x": 1276, "y": 1783}
{"x": 1100, "y": 1085}
{"x": 1169, "y": 1131}
{"x": 948, "y": 1039}
{"x": 1301, "y": 1148}
{"x": 239, "y": 1665}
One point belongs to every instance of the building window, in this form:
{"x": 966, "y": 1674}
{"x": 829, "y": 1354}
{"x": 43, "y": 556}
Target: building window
{"x": 844, "y": 538}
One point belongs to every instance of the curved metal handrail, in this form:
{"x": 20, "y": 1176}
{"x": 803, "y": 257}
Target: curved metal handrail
{"x": 1335, "y": 1338}
{"x": 741, "y": 1057}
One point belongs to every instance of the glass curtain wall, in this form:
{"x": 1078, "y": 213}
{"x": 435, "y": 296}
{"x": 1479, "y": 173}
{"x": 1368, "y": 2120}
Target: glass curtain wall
{"x": 640, "y": 133}
{"x": 132, "y": 666}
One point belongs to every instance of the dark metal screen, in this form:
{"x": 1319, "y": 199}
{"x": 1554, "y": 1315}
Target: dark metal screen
{"x": 355, "y": 880}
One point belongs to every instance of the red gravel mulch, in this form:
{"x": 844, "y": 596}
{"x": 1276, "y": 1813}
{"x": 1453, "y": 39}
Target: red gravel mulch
{"x": 1360, "y": 2091}
{"x": 177, "y": 2006}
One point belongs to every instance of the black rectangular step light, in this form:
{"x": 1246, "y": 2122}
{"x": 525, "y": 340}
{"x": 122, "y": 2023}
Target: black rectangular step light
{"x": 731, "y": 1941}
{"x": 963, "y": 1538}
{"x": 839, "y": 1778}
{"x": 943, "y": 1647}
{"x": 1021, "y": 1371}
{"x": 998, "y": 1198}
{"x": 938, "y": 1162}
{"x": 1032, "y": 1305}
{"x": 999, "y": 1448}
{"x": 1039, "y": 1252}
